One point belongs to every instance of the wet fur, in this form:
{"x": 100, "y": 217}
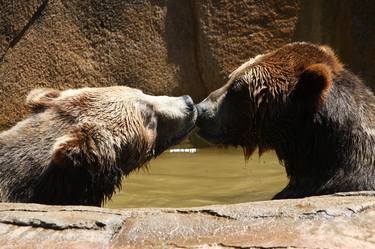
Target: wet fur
{"x": 84, "y": 172}
{"x": 329, "y": 149}
{"x": 302, "y": 103}
{"x": 77, "y": 145}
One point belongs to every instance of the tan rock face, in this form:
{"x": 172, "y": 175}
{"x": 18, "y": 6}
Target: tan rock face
{"x": 347, "y": 26}
{"x": 336, "y": 221}
{"x": 101, "y": 43}
{"x": 15, "y": 16}
{"x": 231, "y": 32}
{"x": 163, "y": 47}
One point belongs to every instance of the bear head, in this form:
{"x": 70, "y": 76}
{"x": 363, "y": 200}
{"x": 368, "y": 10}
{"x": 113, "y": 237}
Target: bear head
{"x": 265, "y": 91}
{"x": 82, "y": 141}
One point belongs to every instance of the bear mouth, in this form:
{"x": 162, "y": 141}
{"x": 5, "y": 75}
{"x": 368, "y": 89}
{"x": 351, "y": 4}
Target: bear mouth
{"x": 181, "y": 135}
{"x": 161, "y": 147}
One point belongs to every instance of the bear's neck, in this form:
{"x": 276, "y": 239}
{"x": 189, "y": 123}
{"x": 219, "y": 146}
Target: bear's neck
{"x": 332, "y": 150}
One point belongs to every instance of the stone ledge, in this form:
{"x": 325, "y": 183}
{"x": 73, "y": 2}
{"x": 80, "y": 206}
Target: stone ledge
{"x": 343, "y": 220}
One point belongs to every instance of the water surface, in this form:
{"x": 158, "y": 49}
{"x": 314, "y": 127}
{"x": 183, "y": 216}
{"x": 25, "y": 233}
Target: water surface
{"x": 209, "y": 176}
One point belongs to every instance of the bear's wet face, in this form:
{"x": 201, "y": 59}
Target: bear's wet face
{"x": 77, "y": 144}
{"x": 170, "y": 119}
{"x": 251, "y": 106}
{"x": 224, "y": 116}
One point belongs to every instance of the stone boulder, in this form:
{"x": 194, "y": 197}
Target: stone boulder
{"x": 343, "y": 220}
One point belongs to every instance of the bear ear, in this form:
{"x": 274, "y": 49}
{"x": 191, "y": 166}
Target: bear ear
{"x": 82, "y": 147}
{"x": 41, "y": 98}
{"x": 67, "y": 150}
{"x": 314, "y": 84}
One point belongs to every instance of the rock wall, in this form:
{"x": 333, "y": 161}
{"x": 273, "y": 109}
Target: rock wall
{"x": 338, "y": 221}
{"x": 163, "y": 46}
{"x": 347, "y": 26}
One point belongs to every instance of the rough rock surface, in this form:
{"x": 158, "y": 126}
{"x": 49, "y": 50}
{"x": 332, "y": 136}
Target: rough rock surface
{"x": 231, "y": 32}
{"x": 15, "y": 17}
{"x": 163, "y": 46}
{"x": 347, "y": 26}
{"x": 336, "y": 221}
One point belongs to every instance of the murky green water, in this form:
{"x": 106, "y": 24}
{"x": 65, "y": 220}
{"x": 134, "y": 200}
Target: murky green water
{"x": 209, "y": 176}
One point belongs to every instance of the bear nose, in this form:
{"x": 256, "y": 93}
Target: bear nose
{"x": 199, "y": 109}
{"x": 189, "y": 103}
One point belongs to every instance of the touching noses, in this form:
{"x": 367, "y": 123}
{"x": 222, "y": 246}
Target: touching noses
{"x": 200, "y": 109}
{"x": 189, "y": 103}
{"x": 202, "y": 112}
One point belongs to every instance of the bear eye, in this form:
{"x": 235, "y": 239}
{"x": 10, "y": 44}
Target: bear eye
{"x": 237, "y": 86}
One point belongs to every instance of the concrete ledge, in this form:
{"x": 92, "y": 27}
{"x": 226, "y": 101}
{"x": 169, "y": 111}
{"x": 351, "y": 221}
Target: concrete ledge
{"x": 343, "y": 220}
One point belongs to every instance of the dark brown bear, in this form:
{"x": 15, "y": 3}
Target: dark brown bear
{"x": 77, "y": 144}
{"x": 300, "y": 101}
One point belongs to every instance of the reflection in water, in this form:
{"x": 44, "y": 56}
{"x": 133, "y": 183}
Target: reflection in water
{"x": 209, "y": 176}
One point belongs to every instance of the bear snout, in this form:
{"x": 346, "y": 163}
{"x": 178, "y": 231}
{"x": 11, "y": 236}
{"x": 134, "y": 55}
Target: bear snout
{"x": 202, "y": 111}
{"x": 205, "y": 121}
{"x": 199, "y": 109}
{"x": 189, "y": 103}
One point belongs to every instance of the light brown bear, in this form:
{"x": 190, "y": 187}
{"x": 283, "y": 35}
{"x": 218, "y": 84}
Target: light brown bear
{"x": 300, "y": 101}
{"x": 77, "y": 144}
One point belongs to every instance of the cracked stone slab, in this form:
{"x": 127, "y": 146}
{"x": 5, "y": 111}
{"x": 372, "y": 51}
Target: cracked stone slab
{"x": 40, "y": 226}
{"x": 344, "y": 220}
{"x": 336, "y": 221}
